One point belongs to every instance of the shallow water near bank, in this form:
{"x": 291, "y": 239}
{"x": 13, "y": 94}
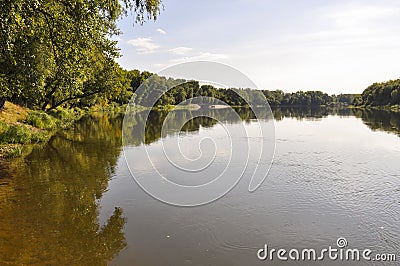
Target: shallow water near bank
{"x": 335, "y": 174}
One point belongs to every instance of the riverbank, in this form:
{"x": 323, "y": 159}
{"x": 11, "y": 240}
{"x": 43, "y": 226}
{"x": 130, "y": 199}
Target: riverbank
{"x": 22, "y": 128}
{"x": 389, "y": 108}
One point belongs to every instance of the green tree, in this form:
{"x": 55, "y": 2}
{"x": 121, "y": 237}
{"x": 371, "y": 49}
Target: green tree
{"x": 51, "y": 49}
{"x": 380, "y": 94}
{"x": 395, "y": 96}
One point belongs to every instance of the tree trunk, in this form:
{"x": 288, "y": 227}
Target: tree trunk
{"x": 2, "y": 103}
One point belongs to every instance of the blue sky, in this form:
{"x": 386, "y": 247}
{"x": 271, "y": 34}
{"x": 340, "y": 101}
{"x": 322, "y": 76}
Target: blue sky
{"x": 333, "y": 46}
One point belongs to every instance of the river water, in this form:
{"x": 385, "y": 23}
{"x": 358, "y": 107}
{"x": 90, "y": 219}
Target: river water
{"x": 73, "y": 201}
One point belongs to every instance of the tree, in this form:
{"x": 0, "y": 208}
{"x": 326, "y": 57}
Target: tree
{"x": 395, "y": 96}
{"x": 51, "y": 49}
{"x": 380, "y": 94}
{"x": 2, "y": 102}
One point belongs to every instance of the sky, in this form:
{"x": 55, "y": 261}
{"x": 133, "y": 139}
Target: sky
{"x": 332, "y": 46}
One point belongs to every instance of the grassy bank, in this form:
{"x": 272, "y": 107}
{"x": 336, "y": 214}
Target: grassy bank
{"x": 16, "y": 133}
{"x": 22, "y": 128}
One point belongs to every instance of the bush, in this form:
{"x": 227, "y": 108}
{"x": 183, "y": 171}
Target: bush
{"x": 41, "y": 136}
{"x": 3, "y": 127}
{"x": 16, "y": 134}
{"x": 41, "y": 120}
{"x": 66, "y": 117}
{"x": 61, "y": 113}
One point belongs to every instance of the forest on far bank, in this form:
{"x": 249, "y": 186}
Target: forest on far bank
{"x": 380, "y": 94}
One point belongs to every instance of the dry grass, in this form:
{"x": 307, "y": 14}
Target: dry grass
{"x": 13, "y": 113}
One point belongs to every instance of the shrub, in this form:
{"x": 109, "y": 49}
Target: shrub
{"x": 41, "y": 120}
{"x": 16, "y": 134}
{"x": 41, "y": 136}
{"x": 61, "y": 113}
{"x": 3, "y": 127}
{"x": 66, "y": 117}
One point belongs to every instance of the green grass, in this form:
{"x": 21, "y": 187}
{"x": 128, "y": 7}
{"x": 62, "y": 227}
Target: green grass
{"x": 16, "y": 134}
{"x": 41, "y": 120}
{"x": 21, "y": 127}
{"x": 13, "y": 151}
{"x": 16, "y": 139}
{"x": 21, "y": 134}
{"x": 40, "y": 137}
{"x": 66, "y": 117}
{"x": 3, "y": 127}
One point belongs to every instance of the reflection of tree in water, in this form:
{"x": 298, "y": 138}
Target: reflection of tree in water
{"x": 380, "y": 120}
{"x": 49, "y": 200}
{"x": 51, "y": 214}
{"x": 186, "y": 120}
{"x": 374, "y": 119}
{"x": 179, "y": 121}
{"x": 309, "y": 113}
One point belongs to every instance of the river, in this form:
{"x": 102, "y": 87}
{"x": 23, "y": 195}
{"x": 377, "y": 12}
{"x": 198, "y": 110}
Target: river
{"x": 73, "y": 201}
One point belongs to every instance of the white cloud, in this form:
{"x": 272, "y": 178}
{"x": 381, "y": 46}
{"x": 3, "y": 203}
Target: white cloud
{"x": 144, "y": 45}
{"x": 161, "y": 31}
{"x": 353, "y": 27}
{"x": 360, "y": 16}
{"x": 200, "y": 57}
{"x": 180, "y": 50}
{"x": 337, "y": 46}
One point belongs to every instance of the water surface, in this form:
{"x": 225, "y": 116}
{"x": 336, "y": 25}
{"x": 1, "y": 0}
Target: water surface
{"x": 74, "y": 202}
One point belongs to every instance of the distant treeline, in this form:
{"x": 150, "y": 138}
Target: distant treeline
{"x": 120, "y": 89}
{"x": 278, "y": 97}
{"x": 182, "y": 90}
{"x": 380, "y": 94}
